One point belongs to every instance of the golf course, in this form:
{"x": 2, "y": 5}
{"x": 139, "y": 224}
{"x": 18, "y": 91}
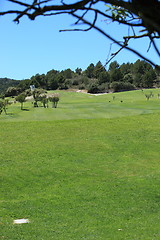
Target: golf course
{"x": 88, "y": 169}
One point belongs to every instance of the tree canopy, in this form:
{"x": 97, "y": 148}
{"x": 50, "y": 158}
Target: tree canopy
{"x": 142, "y": 17}
{"x": 95, "y": 78}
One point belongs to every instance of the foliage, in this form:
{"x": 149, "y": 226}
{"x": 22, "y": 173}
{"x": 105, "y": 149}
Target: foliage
{"x": 5, "y": 83}
{"x": 24, "y": 84}
{"x": 44, "y": 100}
{"x": 3, "y": 105}
{"x": 121, "y": 86}
{"x": 67, "y": 73}
{"x": 141, "y": 74}
{"x": 89, "y": 72}
{"x": 98, "y": 70}
{"x": 54, "y": 98}
{"x": 78, "y": 71}
{"x": 93, "y": 88}
{"x": 113, "y": 65}
{"x": 21, "y": 98}
{"x": 13, "y": 91}
{"x": 38, "y": 81}
{"x": 37, "y": 95}
{"x": 148, "y": 79}
{"x": 103, "y": 77}
{"x": 118, "y": 13}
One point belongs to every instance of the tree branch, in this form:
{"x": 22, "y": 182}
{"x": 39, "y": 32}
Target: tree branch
{"x": 139, "y": 13}
{"x": 124, "y": 45}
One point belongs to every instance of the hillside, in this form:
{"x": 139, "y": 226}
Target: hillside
{"x": 77, "y": 105}
{"x": 94, "y": 79}
{"x": 7, "y": 82}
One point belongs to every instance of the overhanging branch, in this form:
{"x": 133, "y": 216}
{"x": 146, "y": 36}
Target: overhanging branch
{"x": 140, "y": 14}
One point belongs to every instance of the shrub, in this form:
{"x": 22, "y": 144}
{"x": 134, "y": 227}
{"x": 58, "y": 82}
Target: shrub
{"x": 36, "y": 95}
{"x": 21, "y": 98}
{"x": 104, "y": 87}
{"x": 93, "y": 88}
{"x": 121, "y": 86}
{"x": 13, "y": 91}
{"x": 54, "y": 98}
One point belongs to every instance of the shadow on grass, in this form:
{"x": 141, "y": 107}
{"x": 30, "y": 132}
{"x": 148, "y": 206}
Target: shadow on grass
{"x": 10, "y": 114}
{"x": 25, "y": 109}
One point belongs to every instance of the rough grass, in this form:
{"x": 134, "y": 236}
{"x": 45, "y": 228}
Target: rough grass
{"x": 82, "y": 178}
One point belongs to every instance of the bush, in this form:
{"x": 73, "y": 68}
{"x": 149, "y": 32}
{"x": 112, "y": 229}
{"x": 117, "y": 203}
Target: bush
{"x": 121, "y": 86}
{"x": 104, "y": 87}
{"x": 54, "y": 98}
{"x": 21, "y": 98}
{"x": 93, "y": 88}
{"x": 13, "y": 91}
{"x": 76, "y": 82}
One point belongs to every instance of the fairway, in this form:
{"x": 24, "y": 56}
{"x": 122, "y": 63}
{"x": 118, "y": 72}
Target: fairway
{"x": 75, "y": 105}
{"x": 89, "y": 169}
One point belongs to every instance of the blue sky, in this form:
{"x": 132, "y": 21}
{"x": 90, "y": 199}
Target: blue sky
{"x": 33, "y": 47}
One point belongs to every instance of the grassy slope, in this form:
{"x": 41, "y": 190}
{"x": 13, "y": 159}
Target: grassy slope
{"x": 84, "y": 178}
{"x": 83, "y": 106}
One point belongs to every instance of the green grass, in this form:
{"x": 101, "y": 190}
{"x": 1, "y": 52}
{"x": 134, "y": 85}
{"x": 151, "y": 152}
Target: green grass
{"x": 89, "y": 176}
{"x": 74, "y": 105}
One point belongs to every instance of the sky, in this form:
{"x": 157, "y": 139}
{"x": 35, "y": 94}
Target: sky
{"x": 32, "y": 47}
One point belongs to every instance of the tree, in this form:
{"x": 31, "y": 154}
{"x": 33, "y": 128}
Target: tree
{"x": 140, "y": 71}
{"x": 39, "y": 80}
{"x": 113, "y": 65}
{"x": 141, "y": 67}
{"x": 67, "y": 73}
{"x": 12, "y": 91}
{"x": 148, "y": 79}
{"x": 36, "y": 95}
{"x": 24, "y": 84}
{"x": 78, "y": 71}
{"x": 116, "y": 75}
{"x": 89, "y": 72}
{"x": 5, "y": 83}
{"x": 98, "y": 69}
{"x": 128, "y": 78}
{"x": 104, "y": 77}
{"x": 3, "y": 104}
{"x": 44, "y": 100}
{"x": 126, "y": 68}
{"x": 60, "y": 78}
{"x": 52, "y": 83}
{"x": 54, "y": 98}
{"x": 35, "y": 80}
{"x": 21, "y": 98}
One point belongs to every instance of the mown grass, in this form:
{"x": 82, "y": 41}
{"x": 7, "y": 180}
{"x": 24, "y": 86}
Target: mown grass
{"x": 95, "y": 178}
{"x": 75, "y": 105}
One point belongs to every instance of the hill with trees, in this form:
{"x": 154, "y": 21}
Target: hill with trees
{"x": 95, "y": 79}
{"x": 5, "y": 83}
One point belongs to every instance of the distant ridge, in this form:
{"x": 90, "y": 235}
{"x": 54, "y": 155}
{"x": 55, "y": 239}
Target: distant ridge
{"x": 7, "y": 82}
